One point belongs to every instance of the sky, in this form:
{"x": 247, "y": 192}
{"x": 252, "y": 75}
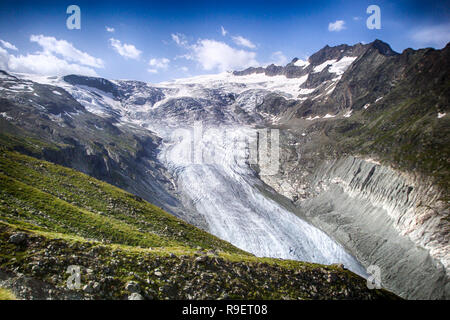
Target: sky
{"x": 156, "y": 41}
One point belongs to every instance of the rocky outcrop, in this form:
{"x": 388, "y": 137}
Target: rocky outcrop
{"x": 93, "y": 82}
{"x": 39, "y": 271}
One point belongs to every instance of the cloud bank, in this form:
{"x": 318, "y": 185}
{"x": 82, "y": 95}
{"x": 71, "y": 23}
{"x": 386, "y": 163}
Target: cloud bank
{"x": 56, "y": 57}
{"x": 128, "y": 51}
{"x": 336, "y": 26}
{"x": 437, "y": 36}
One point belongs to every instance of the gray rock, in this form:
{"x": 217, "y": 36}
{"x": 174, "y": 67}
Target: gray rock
{"x": 18, "y": 238}
{"x": 88, "y": 288}
{"x": 201, "y": 259}
{"x": 135, "y": 296}
{"x": 132, "y": 287}
{"x": 158, "y": 274}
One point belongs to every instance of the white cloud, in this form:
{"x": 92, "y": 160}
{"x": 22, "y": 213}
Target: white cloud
{"x": 243, "y": 42}
{"x": 51, "y": 45}
{"x": 180, "y": 39}
{"x": 357, "y": 18}
{"x": 211, "y": 54}
{"x": 8, "y": 45}
{"x": 152, "y": 70}
{"x": 110, "y": 29}
{"x": 215, "y": 55}
{"x": 125, "y": 50}
{"x": 224, "y": 32}
{"x": 41, "y": 63}
{"x": 58, "y": 57}
{"x": 338, "y": 25}
{"x": 184, "y": 69}
{"x": 46, "y": 65}
{"x": 161, "y": 63}
{"x": 278, "y": 58}
{"x": 438, "y": 35}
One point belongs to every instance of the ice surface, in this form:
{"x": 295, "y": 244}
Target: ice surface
{"x": 301, "y": 63}
{"x": 222, "y": 188}
{"x": 342, "y": 65}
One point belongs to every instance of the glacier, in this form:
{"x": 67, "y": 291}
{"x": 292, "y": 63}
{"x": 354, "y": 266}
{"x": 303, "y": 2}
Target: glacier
{"x": 222, "y": 187}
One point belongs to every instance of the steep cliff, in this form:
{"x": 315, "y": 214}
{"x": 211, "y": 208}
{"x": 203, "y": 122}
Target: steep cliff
{"x": 384, "y": 217}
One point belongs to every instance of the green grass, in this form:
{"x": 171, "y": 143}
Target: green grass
{"x": 6, "y": 294}
{"x": 70, "y": 218}
{"x": 48, "y": 197}
{"x": 28, "y": 145}
{"x": 406, "y": 135}
{"x": 239, "y": 276}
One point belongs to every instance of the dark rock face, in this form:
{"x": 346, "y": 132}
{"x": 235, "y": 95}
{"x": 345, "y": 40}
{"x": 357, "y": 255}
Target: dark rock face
{"x": 274, "y": 104}
{"x": 127, "y": 93}
{"x": 18, "y": 238}
{"x": 99, "y": 83}
{"x": 321, "y": 80}
{"x": 324, "y": 54}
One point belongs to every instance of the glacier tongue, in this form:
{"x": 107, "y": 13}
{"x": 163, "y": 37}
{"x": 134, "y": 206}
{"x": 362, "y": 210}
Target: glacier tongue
{"x": 223, "y": 189}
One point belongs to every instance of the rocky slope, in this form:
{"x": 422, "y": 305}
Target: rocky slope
{"x": 46, "y": 121}
{"x": 384, "y": 217}
{"x": 369, "y": 164}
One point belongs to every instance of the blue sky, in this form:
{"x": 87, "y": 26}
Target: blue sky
{"x": 161, "y": 40}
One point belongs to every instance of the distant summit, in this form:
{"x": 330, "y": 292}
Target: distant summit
{"x": 327, "y": 53}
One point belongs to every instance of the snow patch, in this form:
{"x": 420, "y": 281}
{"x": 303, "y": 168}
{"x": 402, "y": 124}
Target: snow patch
{"x": 372, "y": 161}
{"x": 342, "y": 65}
{"x": 322, "y": 66}
{"x": 337, "y": 67}
{"x": 306, "y": 91}
{"x": 228, "y": 82}
{"x": 348, "y": 114}
{"x": 4, "y": 115}
{"x": 301, "y": 63}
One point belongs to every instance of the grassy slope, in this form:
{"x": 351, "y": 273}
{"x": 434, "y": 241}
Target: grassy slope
{"x": 407, "y": 134}
{"x": 6, "y": 294}
{"x": 69, "y": 218}
{"x": 47, "y": 197}
{"x": 402, "y": 129}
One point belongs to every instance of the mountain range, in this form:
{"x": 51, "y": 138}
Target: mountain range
{"x": 362, "y": 179}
